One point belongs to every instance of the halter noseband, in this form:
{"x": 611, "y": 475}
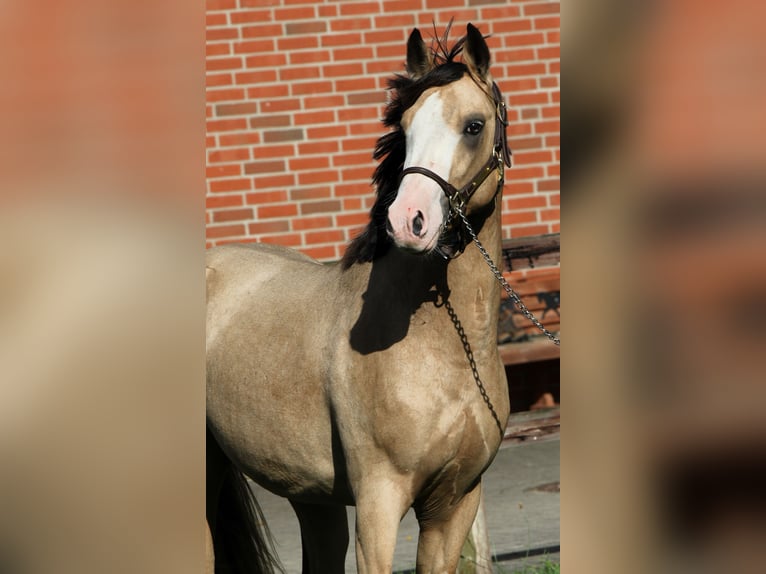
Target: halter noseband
{"x": 459, "y": 198}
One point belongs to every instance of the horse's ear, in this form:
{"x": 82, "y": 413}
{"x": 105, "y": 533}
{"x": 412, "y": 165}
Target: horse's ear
{"x": 419, "y": 58}
{"x": 475, "y": 51}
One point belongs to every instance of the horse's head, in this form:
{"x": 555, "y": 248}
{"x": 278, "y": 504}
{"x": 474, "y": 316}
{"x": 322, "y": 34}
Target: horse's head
{"x": 447, "y": 141}
{"x": 450, "y": 112}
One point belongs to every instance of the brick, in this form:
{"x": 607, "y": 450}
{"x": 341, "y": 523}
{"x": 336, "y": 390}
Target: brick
{"x": 259, "y": 167}
{"x": 309, "y": 57}
{"x": 525, "y": 202}
{"x": 325, "y": 147}
{"x": 524, "y": 39}
{"x": 215, "y": 64}
{"x": 328, "y": 206}
{"x": 350, "y": 24}
{"x": 284, "y": 180}
{"x": 372, "y": 97}
{"x": 327, "y": 236}
{"x": 312, "y": 27}
{"x": 225, "y": 170}
{"x": 323, "y": 253}
{"x": 247, "y": 138}
{"x": 327, "y": 11}
{"x": 551, "y": 22}
{"x": 357, "y": 173}
{"x": 308, "y": 163}
{"x": 303, "y": 223}
{"x": 260, "y": 227}
{"x": 347, "y": 69}
{"x": 277, "y": 136}
{"x": 544, "y": 8}
{"x": 349, "y": 39}
{"x": 396, "y": 36}
{"x": 314, "y": 177}
{"x": 365, "y": 128}
{"x": 236, "y": 109}
{"x": 548, "y": 185}
{"x": 552, "y": 112}
{"x": 317, "y": 117}
{"x": 357, "y": 53}
{"x": 262, "y": 31}
{"x": 293, "y": 43}
{"x": 236, "y": 184}
{"x": 352, "y": 189}
{"x": 218, "y": 49}
{"x": 253, "y": 46}
{"x": 552, "y": 214}
{"x": 278, "y": 210}
{"x": 304, "y": 88}
{"x": 550, "y": 53}
{"x": 232, "y": 215}
{"x": 261, "y": 197}
{"x": 352, "y": 219}
{"x": 358, "y": 113}
{"x": 258, "y": 3}
{"x": 224, "y": 95}
{"x": 214, "y": 80}
{"x": 525, "y": 143}
{"x": 323, "y": 101}
{"x": 518, "y": 187}
{"x": 531, "y": 99}
{"x": 360, "y": 158}
{"x": 352, "y": 8}
{"x": 286, "y": 240}
{"x": 283, "y": 105}
{"x": 218, "y": 34}
{"x": 511, "y": 217}
{"x": 225, "y": 155}
{"x": 297, "y": 73}
{"x": 250, "y": 16}
{"x": 213, "y": 232}
{"x": 510, "y": 26}
{"x": 270, "y": 121}
{"x": 526, "y": 173}
{"x": 272, "y": 150}
{"x": 257, "y": 77}
{"x": 518, "y": 55}
{"x": 304, "y": 193}
{"x": 215, "y": 201}
{"x": 406, "y": 20}
{"x": 271, "y": 91}
{"x": 215, "y": 19}
{"x": 299, "y": 13}
{"x": 549, "y": 126}
{"x": 268, "y": 60}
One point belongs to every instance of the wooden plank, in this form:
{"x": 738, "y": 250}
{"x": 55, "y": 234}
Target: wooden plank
{"x": 539, "y": 349}
{"x": 531, "y": 252}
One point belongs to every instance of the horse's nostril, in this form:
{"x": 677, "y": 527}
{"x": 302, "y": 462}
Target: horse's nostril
{"x": 389, "y": 227}
{"x": 417, "y": 224}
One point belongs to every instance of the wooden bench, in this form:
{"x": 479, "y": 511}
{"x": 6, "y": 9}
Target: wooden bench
{"x": 531, "y": 265}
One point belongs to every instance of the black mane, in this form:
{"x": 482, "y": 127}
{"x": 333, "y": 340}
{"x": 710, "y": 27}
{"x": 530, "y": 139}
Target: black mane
{"x": 405, "y": 91}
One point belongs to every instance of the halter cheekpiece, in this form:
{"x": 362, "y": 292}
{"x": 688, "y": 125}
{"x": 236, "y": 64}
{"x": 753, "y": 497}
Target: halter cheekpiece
{"x": 459, "y": 198}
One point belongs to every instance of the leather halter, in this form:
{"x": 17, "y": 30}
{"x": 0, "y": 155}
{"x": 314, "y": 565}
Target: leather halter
{"x": 459, "y": 198}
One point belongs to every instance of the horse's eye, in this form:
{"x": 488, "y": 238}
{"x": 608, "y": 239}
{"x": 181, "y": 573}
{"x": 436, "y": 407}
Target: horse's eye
{"x": 474, "y": 127}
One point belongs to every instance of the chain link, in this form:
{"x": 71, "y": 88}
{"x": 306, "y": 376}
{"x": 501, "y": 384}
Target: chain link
{"x": 472, "y": 363}
{"x": 508, "y": 289}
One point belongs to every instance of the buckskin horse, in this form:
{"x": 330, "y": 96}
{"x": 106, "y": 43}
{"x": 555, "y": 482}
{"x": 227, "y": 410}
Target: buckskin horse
{"x": 375, "y": 381}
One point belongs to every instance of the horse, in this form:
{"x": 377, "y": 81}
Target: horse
{"x": 374, "y": 381}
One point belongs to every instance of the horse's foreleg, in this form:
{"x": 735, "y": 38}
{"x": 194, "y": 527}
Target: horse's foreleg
{"x": 442, "y": 538}
{"x": 324, "y": 534}
{"x": 380, "y": 505}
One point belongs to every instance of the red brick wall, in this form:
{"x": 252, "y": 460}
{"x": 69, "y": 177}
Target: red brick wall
{"x": 295, "y": 91}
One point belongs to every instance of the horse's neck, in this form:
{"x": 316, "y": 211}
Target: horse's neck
{"x": 473, "y": 287}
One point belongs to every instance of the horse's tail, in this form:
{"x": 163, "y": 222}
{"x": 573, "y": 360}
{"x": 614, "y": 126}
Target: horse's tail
{"x": 242, "y": 542}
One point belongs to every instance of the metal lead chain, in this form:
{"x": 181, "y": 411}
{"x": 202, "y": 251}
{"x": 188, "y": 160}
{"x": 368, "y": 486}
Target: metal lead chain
{"x": 508, "y": 289}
